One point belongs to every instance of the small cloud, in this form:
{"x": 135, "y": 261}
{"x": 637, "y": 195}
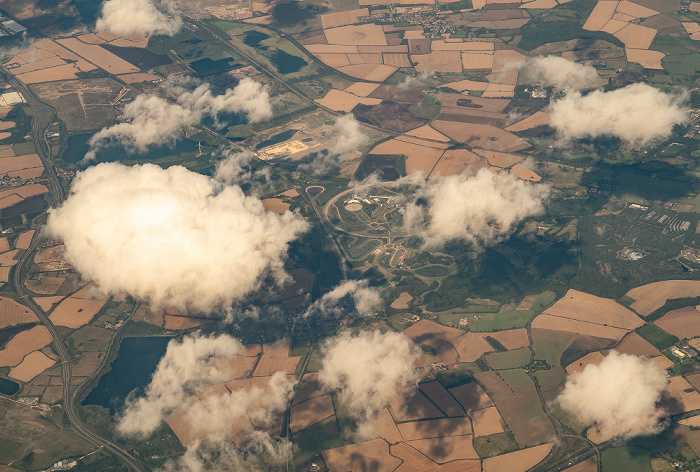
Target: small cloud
{"x": 560, "y": 73}
{"x": 139, "y": 17}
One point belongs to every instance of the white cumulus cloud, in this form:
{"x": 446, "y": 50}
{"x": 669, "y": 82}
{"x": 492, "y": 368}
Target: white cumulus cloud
{"x": 139, "y": 17}
{"x": 171, "y": 237}
{"x": 369, "y": 369}
{"x": 151, "y": 120}
{"x": 637, "y": 113}
{"x": 560, "y": 73}
{"x": 620, "y": 395}
{"x": 364, "y": 299}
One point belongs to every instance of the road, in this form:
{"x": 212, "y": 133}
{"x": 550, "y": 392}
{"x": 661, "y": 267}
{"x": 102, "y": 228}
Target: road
{"x": 17, "y": 278}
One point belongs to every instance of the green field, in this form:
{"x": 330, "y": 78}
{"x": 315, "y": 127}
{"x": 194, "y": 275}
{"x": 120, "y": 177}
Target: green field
{"x": 495, "y": 444}
{"x": 626, "y": 459}
{"x": 509, "y": 359}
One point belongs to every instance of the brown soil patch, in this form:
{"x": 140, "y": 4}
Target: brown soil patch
{"x": 8, "y": 259}
{"x": 75, "y": 312}
{"x": 46, "y": 303}
{"x": 441, "y": 398}
{"x": 401, "y": 303}
{"x": 396, "y": 60}
{"x": 23, "y": 343}
{"x": 511, "y": 338}
{"x": 310, "y": 412}
{"x": 342, "y": 18}
{"x": 44, "y": 284}
{"x": 518, "y": 461}
{"x": 308, "y": 387}
{"x": 373, "y": 72}
{"x": 636, "y": 345}
{"x": 438, "y": 428}
{"x": 476, "y": 61}
{"x": 426, "y": 132}
{"x": 29, "y": 161}
{"x": 33, "y": 364}
{"x": 590, "y": 358}
{"x": 437, "y": 336}
{"x": 367, "y": 34}
{"x": 361, "y": 89}
{"x": 447, "y": 449}
{"x": 499, "y": 159}
{"x": 636, "y": 36}
{"x": 481, "y": 136}
{"x": 413, "y": 407}
{"x": 601, "y": 14}
{"x": 371, "y": 455}
{"x": 276, "y": 205}
{"x": 523, "y": 173}
{"x": 683, "y": 323}
{"x": 487, "y": 421}
{"x": 651, "y": 297}
{"x": 419, "y": 158}
{"x": 98, "y": 56}
{"x": 12, "y": 313}
{"x": 647, "y": 59}
{"x": 184, "y": 322}
{"x": 390, "y": 115}
{"x": 687, "y": 398}
{"x": 139, "y": 77}
{"x": 585, "y": 307}
{"x": 343, "y": 101}
{"x": 275, "y": 359}
{"x": 589, "y": 465}
{"x": 386, "y": 427}
{"x": 457, "y": 161}
{"x": 471, "y": 396}
{"x": 147, "y": 316}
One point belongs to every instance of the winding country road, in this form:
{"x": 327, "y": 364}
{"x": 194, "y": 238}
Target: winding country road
{"x": 17, "y": 279}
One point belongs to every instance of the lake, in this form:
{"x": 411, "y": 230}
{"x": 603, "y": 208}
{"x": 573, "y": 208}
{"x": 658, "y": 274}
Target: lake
{"x": 132, "y": 369}
{"x": 8, "y": 387}
{"x": 287, "y": 63}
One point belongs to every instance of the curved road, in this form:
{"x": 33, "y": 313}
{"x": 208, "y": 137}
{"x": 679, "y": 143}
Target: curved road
{"x": 56, "y": 199}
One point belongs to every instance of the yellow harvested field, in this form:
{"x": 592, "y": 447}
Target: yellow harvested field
{"x": 24, "y": 240}
{"x": 139, "y": 77}
{"x": 275, "y": 358}
{"x": 401, "y": 303}
{"x": 693, "y": 422}
{"x": 594, "y": 358}
{"x": 456, "y": 161}
{"x": 184, "y": 322}
{"x": 523, "y": 173}
{"x": 499, "y": 159}
{"x": 65, "y": 72}
{"x": 471, "y": 396}
{"x": 540, "y": 118}
{"x": 475, "y": 61}
{"x": 511, "y": 338}
{"x": 331, "y": 49}
{"x": 589, "y": 465}
{"x": 471, "y": 346}
{"x": 540, "y": 4}
{"x": 422, "y": 142}
{"x": 334, "y": 60}
{"x": 635, "y": 10}
{"x": 647, "y": 59}
{"x": 365, "y": 58}
{"x": 447, "y": 449}
{"x": 436, "y": 335}
{"x": 694, "y": 380}
{"x": 33, "y": 364}
{"x": 373, "y": 72}
{"x": 75, "y": 312}
{"x": 356, "y": 35}
{"x": 276, "y": 205}
{"x": 310, "y": 412}
{"x": 693, "y": 29}
{"x": 462, "y": 85}
{"x": 623, "y": 17}
{"x": 439, "y": 61}
{"x": 338, "y": 100}
{"x": 4, "y": 245}
{"x": 483, "y": 46}
{"x": 418, "y": 158}
{"x": 7, "y": 259}
{"x": 98, "y": 56}
{"x": 342, "y": 18}
{"x": 585, "y": 307}
{"x": 481, "y": 136}
{"x": 362, "y": 89}
{"x": 694, "y": 7}
{"x": 613, "y": 26}
{"x": 398, "y": 49}
{"x": 46, "y": 303}
{"x": 23, "y": 343}
{"x": 683, "y": 323}
{"x": 291, "y": 193}
{"x": 17, "y": 194}
{"x": 557, "y": 323}
{"x": 6, "y": 150}
{"x": 426, "y": 132}
{"x": 518, "y": 461}
{"x": 386, "y": 427}
{"x": 439, "y": 428}
{"x": 636, "y": 36}
{"x": 396, "y": 60}
{"x": 601, "y": 14}
{"x": 653, "y": 296}
{"x": 487, "y": 421}
{"x": 359, "y": 456}
{"x": 12, "y": 313}
{"x": 499, "y": 91}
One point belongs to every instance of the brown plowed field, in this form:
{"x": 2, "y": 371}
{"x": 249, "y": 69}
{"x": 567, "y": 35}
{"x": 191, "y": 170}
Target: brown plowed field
{"x": 46, "y": 303}
{"x": 310, "y": 412}
{"x": 23, "y": 343}
{"x": 456, "y": 161}
{"x": 585, "y": 307}
{"x": 99, "y": 56}
{"x": 471, "y": 396}
{"x": 414, "y": 407}
{"x": 481, "y": 136}
{"x": 447, "y": 449}
{"x": 442, "y": 398}
{"x": 557, "y": 323}
{"x": 234, "y": 367}
{"x": 438, "y": 428}
{"x": 437, "y": 336}
{"x": 75, "y": 312}
{"x": 386, "y": 427}
{"x": 590, "y": 358}
{"x": 12, "y": 313}
{"x": 683, "y": 323}
{"x": 471, "y": 346}
{"x": 33, "y": 364}
{"x": 426, "y": 132}
{"x": 367, "y": 456}
{"x": 308, "y": 387}
{"x": 275, "y": 358}
{"x": 518, "y": 461}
